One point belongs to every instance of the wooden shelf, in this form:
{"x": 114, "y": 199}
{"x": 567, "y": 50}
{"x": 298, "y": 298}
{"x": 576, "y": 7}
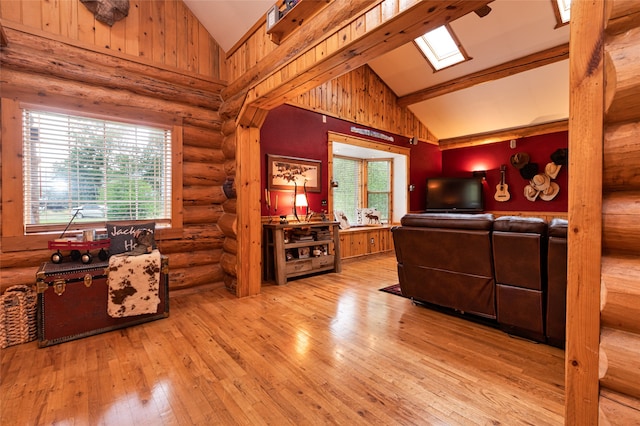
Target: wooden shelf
{"x": 292, "y": 19}
{"x": 279, "y": 267}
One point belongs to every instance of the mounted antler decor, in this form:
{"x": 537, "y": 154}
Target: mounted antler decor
{"x": 108, "y": 11}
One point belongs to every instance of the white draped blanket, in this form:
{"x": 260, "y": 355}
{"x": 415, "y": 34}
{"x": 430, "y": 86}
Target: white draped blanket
{"x": 134, "y": 283}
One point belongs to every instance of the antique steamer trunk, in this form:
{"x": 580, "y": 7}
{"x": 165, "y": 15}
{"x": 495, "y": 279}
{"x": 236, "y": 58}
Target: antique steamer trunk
{"x": 72, "y": 301}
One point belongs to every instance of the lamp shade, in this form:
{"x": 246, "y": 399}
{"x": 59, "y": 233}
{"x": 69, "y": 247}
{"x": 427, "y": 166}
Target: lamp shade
{"x": 301, "y": 200}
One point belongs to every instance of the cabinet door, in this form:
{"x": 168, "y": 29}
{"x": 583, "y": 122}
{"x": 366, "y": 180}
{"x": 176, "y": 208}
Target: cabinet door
{"x": 373, "y": 238}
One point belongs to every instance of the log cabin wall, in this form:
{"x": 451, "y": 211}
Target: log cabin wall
{"x": 161, "y": 32}
{"x": 140, "y": 84}
{"x": 619, "y": 361}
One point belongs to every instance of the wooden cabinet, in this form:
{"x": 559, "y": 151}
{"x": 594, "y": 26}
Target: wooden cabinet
{"x": 360, "y": 241}
{"x": 281, "y": 26}
{"x": 292, "y": 250}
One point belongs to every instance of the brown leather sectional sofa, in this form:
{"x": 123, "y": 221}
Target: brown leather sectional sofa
{"x": 510, "y": 270}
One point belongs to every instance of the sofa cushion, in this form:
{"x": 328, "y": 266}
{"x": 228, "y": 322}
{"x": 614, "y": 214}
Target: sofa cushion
{"x": 519, "y": 251}
{"x": 482, "y": 221}
{"x": 520, "y": 224}
{"x": 558, "y": 228}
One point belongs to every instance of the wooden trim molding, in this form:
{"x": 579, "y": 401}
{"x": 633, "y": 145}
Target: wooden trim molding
{"x": 507, "y": 134}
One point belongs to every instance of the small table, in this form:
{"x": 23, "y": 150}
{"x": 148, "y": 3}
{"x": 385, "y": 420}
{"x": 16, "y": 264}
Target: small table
{"x": 295, "y": 249}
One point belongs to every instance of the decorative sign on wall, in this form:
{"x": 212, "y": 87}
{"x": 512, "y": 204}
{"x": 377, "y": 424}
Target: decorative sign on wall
{"x": 371, "y": 133}
{"x": 108, "y": 11}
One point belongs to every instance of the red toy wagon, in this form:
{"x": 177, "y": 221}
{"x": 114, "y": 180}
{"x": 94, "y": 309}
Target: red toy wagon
{"x": 77, "y": 248}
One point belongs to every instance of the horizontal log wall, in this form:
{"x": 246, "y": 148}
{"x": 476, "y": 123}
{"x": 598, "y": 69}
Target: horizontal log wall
{"x": 363, "y": 98}
{"x": 196, "y": 248}
{"x": 620, "y": 293}
{"x": 161, "y": 32}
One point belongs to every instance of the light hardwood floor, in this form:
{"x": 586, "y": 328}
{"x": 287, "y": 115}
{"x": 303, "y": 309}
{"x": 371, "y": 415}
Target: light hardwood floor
{"x": 328, "y": 349}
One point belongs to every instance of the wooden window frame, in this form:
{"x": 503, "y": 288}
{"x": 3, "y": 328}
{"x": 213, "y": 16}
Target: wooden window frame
{"x": 365, "y": 143}
{"x": 463, "y": 52}
{"x": 556, "y": 11}
{"x": 14, "y": 237}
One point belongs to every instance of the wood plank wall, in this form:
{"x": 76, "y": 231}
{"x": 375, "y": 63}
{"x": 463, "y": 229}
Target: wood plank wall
{"x": 619, "y": 362}
{"x": 363, "y": 98}
{"x": 162, "y": 32}
{"x": 341, "y": 37}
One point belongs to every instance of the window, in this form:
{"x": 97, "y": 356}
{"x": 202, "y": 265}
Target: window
{"x": 368, "y": 174}
{"x": 96, "y": 169}
{"x": 441, "y": 48}
{"x": 562, "y": 10}
{"x": 379, "y": 186}
{"x": 362, "y": 183}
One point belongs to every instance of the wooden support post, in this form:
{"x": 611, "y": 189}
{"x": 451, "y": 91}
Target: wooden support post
{"x": 585, "y": 212}
{"x": 249, "y": 226}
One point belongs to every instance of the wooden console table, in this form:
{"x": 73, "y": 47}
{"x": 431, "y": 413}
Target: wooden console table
{"x": 295, "y": 249}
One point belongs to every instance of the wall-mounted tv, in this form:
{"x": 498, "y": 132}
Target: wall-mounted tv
{"x": 462, "y": 195}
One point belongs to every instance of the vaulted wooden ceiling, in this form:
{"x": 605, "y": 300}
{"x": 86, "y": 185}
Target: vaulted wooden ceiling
{"x": 517, "y": 77}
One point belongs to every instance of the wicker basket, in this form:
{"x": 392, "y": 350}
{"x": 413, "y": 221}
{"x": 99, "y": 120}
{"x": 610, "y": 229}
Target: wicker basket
{"x": 17, "y": 316}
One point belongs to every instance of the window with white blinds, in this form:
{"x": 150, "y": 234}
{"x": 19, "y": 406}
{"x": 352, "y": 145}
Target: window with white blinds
{"x": 362, "y": 183}
{"x": 379, "y": 187}
{"x": 96, "y": 169}
{"x": 347, "y": 195}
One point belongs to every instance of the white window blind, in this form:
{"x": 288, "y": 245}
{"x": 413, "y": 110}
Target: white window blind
{"x": 109, "y": 170}
{"x": 379, "y": 187}
{"x": 362, "y": 183}
{"x": 347, "y": 196}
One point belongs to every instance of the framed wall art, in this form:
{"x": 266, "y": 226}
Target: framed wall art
{"x": 285, "y": 173}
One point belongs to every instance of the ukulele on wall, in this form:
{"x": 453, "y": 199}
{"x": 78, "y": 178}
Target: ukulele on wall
{"x": 502, "y": 189}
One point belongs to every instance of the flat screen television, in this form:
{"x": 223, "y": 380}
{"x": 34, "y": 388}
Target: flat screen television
{"x": 462, "y": 195}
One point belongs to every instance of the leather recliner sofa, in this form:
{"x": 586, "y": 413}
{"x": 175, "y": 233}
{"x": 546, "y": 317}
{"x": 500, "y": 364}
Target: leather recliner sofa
{"x": 520, "y": 262}
{"x": 446, "y": 260}
{"x": 492, "y": 268}
{"x": 557, "y": 282}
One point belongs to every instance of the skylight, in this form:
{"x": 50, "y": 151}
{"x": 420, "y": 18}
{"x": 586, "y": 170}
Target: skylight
{"x": 441, "y": 48}
{"x": 564, "y": 7}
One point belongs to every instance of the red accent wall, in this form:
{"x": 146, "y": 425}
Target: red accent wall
{"x": 462, "y": 162}
{"x": 425, "y": 162}
{"x": 296, "y": 132}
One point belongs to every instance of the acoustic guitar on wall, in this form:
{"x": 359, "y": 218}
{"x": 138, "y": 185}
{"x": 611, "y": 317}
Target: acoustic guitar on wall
{"x": 502, "y": 189}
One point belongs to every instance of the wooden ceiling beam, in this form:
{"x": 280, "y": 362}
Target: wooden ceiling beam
{"x": 504, "y": 135}
{"x": 306, "y": 37}
{"x": 355, "y": 49}
{"x": 497, "y": 72}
